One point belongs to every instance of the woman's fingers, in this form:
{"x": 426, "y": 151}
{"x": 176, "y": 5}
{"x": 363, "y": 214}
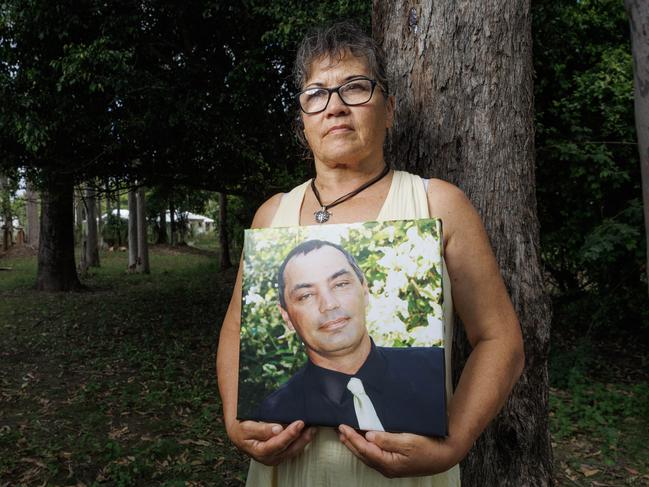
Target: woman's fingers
{"x": 260, "y": 431}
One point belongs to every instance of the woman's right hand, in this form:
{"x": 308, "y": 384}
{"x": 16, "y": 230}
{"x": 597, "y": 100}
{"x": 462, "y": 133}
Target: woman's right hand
{"x": 270, "y": 443}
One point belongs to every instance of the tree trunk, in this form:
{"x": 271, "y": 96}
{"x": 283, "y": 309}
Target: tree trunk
{"x": 132, "y": 230}
{"x": 7, "y": 217}
{"x": 33, "y": 223}
{"x": 100, "y": 222}
{"x": 142, "y": 243}
{"x": 92, "y": 242}
{"x": 223, "y": 232}
{"x": 118, "y": 205}
{"x": 464, "y": 113}
{"x": 638, "y": 12}
{"x": 172, "y": 223}
{"x": 56, "y": 271}
{"x": 162, "y": 228}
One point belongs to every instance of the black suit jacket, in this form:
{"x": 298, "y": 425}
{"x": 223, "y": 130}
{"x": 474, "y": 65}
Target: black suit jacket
{"x": 406, "y": 386}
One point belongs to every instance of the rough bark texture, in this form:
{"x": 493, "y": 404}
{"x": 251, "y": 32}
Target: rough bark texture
{"x": 142, "y": 243}
{"x": 33, "y": 223}
{"x": 92, "y": 241}
{"x": 638, "y": 12}
{"x": 223, "y": 232}
{"x": 132, "y": 230}
{"x": 462, "y": 76}
{"x": 56, "y": 271}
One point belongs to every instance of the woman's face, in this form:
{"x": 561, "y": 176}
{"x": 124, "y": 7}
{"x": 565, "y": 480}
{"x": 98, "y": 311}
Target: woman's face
{"x": 344, "y": 134}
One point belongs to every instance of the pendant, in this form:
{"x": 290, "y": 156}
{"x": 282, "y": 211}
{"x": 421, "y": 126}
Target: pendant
{"x": 322, "y": 216}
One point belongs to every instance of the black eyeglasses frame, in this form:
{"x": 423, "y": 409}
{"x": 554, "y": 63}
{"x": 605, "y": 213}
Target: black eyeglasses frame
{"x": 336, "y": 89}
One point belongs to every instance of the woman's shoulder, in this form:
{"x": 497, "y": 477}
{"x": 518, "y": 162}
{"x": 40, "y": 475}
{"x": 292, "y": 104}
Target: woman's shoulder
{"x": 265, "y": 213}
{"x": 448, "y": 202}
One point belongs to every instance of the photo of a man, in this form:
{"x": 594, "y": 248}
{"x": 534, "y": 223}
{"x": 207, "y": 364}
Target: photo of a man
{"x": 323, "y": 297}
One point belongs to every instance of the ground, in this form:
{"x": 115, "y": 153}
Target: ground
{"x": 114, "y": 386}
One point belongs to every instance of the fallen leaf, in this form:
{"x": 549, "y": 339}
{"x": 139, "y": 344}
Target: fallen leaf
{"x": 632, "y": 471}
{"x": 588, "y": 471}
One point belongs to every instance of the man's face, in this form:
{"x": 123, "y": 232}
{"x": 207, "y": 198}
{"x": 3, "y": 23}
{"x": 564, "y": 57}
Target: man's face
{"x": 325, "y": 303}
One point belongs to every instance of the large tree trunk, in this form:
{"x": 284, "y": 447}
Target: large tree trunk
{"x": 463, "y": 84}
{"x": 223, "y": 232}
{"x": 56, "y": 271}
{"x": 132, "y": 230}
{"x": 33, "y": 223}
{"x": 100, "y": 221}
{"x": 638, "y": 12}
{"x": 92, "y": 241}
{"x": 142, "y": 242}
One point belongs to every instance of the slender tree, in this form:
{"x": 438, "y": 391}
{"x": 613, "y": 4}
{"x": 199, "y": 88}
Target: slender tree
{"x": 224, "y": 243}
{"x": 462, "y": 75}
{"x": 91, "y": 247}
{"x": 638, "y": 12}
{"x": 132, "y": 230}
{"x": 142, "y": 263}
{"x": 33, "y": 224}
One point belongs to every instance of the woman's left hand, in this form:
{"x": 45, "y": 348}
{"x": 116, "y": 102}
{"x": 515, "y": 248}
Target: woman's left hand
{"x": 401, "y": 454}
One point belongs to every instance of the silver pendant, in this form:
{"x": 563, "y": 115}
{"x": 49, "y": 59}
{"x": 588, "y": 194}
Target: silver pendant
{"x": 322, "y": 216}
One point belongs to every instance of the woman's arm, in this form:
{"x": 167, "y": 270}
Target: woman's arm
{"x": 268, "y": 443}
{"x": 493, "y": 367}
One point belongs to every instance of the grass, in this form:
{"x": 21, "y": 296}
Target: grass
{"x": 115, "y": 386}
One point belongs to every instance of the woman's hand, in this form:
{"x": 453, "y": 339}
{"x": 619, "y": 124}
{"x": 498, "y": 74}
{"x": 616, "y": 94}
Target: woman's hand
{"x": 270, "y": 443}
{"x": 401, "y": 454}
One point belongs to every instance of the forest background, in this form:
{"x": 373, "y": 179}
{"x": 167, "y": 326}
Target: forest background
{"x": 190, "y": 100}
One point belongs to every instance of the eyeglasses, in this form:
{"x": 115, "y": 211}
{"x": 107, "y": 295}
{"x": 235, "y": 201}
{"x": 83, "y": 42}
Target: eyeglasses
{"x": 352, "y": 93}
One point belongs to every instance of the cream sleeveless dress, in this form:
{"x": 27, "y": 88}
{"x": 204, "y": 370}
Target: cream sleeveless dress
{"x": 326, "y": 462}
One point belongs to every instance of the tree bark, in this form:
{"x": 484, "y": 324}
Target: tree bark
{"x": 172, "y": 223}
{"x": 92, "y": 241}
{"x": 56, "y": 271}
{"x": 638, "y": 12}
{"x": 224, "y": 241}
{"x": 142, "y": 242}
{"x": 118, "y": 205}
{"x": 100, "y": 222}
{"x": 7, "y": 217}
{"x": 33, "y": 223}
{"x": 162, "y": 228}
{"x": 132, "y": 230}
{"x": 462, "y": 76}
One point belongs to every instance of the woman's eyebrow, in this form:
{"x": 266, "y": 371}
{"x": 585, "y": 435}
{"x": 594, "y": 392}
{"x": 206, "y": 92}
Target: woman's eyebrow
{"x": 345, "y": 80}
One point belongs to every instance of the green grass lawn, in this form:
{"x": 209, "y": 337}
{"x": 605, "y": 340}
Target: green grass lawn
{"x": 115, "y": 386}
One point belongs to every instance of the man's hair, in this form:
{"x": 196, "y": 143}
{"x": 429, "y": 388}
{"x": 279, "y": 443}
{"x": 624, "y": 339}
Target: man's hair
{"x": 303, "y": 249}
{"x": 334, "y": 41}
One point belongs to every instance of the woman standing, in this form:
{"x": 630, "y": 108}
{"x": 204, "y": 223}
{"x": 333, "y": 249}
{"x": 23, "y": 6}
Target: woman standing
{"x": 345, "y": 112}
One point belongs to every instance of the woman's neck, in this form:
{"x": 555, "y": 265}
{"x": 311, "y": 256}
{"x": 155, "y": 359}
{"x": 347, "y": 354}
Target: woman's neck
{"x": 334, "y": 180}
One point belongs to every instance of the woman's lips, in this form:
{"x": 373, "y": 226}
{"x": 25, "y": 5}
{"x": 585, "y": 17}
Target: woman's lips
{"x": 332, "y": 325}
{"x": 338, "y": 129}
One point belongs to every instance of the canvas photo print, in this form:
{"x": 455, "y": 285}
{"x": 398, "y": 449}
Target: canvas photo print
{"x": 343, "y": 324}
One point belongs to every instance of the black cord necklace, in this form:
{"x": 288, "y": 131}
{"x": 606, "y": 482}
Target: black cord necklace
{"x": 322, "y": 215}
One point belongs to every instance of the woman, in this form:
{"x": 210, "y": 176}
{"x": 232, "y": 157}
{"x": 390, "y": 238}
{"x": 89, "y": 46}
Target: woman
{"x": 346, "y": 110}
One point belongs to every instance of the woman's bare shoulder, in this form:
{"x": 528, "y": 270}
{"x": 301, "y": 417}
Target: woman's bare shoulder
{"x": 265, "y": 213}
{"x": 447, "y": 201}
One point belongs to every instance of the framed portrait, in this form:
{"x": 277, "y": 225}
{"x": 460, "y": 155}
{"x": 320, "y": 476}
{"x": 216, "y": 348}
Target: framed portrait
{"x": 344, "y": 324}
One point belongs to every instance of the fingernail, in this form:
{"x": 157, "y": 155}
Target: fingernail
{"x": 370, "y": 436}
{"x": 276, "y": 429}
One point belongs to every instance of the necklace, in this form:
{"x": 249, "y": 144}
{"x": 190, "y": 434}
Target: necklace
{"x": 323, "y": 215}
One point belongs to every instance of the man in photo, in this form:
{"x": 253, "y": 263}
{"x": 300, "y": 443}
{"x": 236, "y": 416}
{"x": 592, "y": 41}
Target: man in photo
{"x": 323, "y": 297}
